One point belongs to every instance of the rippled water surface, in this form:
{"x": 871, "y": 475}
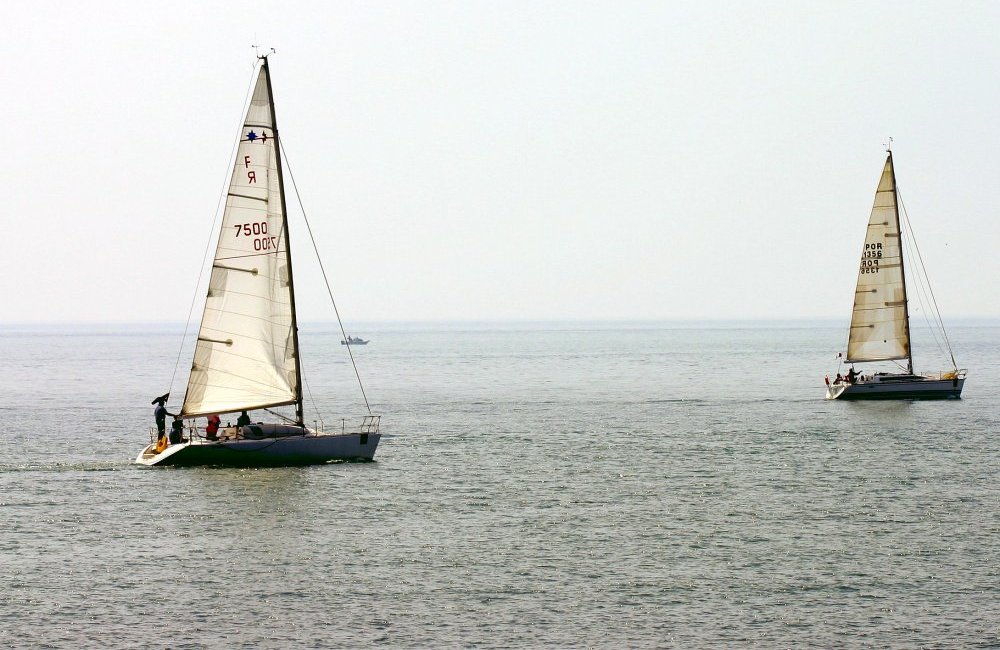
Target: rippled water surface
{"x": 550, "y": 485}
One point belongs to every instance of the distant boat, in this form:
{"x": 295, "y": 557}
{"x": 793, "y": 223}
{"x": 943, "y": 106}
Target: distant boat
{"x": 880, "y": 326}
{"x": 247, "y": 353}
{"x": 353, "y": 340}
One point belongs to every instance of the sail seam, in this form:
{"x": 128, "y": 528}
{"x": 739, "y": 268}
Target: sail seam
{"x": 248, "y": 338}
{"x": 249, "y": 407}
{"x": 249, "y": 255}
{"x": 276, "y": 388}
{"x": 220, "y": 292}
{"x": 260, "y": 318}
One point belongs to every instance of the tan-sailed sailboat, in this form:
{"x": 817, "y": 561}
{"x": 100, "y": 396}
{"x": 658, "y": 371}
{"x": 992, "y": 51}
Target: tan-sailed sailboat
{"x": 880, "y": 324}
{"x": 247, "y": 354}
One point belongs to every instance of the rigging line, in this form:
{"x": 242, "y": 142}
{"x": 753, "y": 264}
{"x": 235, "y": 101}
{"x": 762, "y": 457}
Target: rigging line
{"x": 920, "y": 258}
{"x": 312, "y": 400}
{"x": 319, "y": 259}
{"x": 918, "y": 284}
{"x": 280, "y": 415}
{"x": 215, "y": 220}
{"x": 921, "y": 287}
{"x": 920, "y": 290}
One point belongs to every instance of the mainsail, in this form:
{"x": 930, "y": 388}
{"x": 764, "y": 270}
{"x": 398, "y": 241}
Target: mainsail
{"x": 246, "y": 354}
{"x": 879, "y": 326}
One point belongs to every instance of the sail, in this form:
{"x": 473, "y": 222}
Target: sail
{"x": 879, "y": 329}
{"x": 245, "y": 356}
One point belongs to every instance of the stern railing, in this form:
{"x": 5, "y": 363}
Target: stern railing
{"x": 370, "y": 423}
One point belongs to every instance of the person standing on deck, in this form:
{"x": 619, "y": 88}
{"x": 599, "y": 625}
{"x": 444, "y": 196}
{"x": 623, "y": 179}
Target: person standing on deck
{"x": 161, "y": 413}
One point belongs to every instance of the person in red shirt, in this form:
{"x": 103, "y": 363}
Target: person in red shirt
{"x": 212, "y": 430}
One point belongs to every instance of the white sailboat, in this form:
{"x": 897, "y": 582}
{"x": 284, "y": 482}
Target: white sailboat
{"x": 880, "y": 325}
{"x": 247, "y": 353}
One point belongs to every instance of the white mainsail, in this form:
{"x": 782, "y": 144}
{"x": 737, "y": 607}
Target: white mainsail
{"x": 879, "y": 328}
{"x": 246, "y": 351}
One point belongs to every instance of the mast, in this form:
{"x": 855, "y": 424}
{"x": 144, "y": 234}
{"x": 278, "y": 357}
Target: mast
{"x": 300, "y": 420}
{"x": 902, "y": 268}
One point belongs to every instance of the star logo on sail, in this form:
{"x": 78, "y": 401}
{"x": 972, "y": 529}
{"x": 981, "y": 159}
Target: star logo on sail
{"x": 252, "y": 135}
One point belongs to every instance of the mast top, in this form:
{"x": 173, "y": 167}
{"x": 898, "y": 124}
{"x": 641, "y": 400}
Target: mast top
{"x": 257, "y": 48}
{"x": 888, "y": 146}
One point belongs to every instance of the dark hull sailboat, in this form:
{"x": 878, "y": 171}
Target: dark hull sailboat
{"x": 880, "y": 324}
{"x": 247, "y": 353}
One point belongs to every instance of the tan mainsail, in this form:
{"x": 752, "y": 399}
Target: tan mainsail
{"x": 246, "y": 352}
{"x": 879, "y": 328}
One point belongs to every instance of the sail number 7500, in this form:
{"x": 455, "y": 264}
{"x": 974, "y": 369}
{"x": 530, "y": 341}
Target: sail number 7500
{"x": 258, "y": 231}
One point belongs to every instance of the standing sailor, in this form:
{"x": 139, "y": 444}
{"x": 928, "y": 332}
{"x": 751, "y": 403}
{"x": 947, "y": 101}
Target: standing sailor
{"x": 160, "y": 413}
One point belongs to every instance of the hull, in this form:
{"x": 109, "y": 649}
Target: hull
{"x": 309, "y": 449}
{"x": 898, "y": 387}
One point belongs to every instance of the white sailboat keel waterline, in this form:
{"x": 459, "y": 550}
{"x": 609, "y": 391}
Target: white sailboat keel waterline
{"x": 880, "y": 323}
{"x": 247, "y": 353}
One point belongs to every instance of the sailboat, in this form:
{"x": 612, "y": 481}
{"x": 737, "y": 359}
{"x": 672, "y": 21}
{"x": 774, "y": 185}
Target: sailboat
{"x": 246, "y": 357}
{"x": 880, "y": 325}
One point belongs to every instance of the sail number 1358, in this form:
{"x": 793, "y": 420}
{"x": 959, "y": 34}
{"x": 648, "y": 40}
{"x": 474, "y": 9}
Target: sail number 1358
{"x": 258, "y": 231}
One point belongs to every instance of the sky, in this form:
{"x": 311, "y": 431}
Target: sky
{"x": 503, "y": 160}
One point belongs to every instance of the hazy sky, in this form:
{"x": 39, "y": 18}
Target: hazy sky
{"x": 495, "y": 160}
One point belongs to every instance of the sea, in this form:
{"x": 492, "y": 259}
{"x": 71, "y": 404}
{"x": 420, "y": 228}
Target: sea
{"x": 591, "y": 485}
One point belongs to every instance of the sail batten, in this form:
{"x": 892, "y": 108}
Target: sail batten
{"x": 879, "y": 330}
{"x": 249, "y": 305}
{"x": 246, "y": 196}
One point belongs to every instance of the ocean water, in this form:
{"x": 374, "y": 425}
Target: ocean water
{"x": 584, "y": 485}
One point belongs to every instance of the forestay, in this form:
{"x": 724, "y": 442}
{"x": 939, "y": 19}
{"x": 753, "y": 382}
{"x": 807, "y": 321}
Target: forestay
{"x": 246, "y": 351}
{"x": 879, "y": 328}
